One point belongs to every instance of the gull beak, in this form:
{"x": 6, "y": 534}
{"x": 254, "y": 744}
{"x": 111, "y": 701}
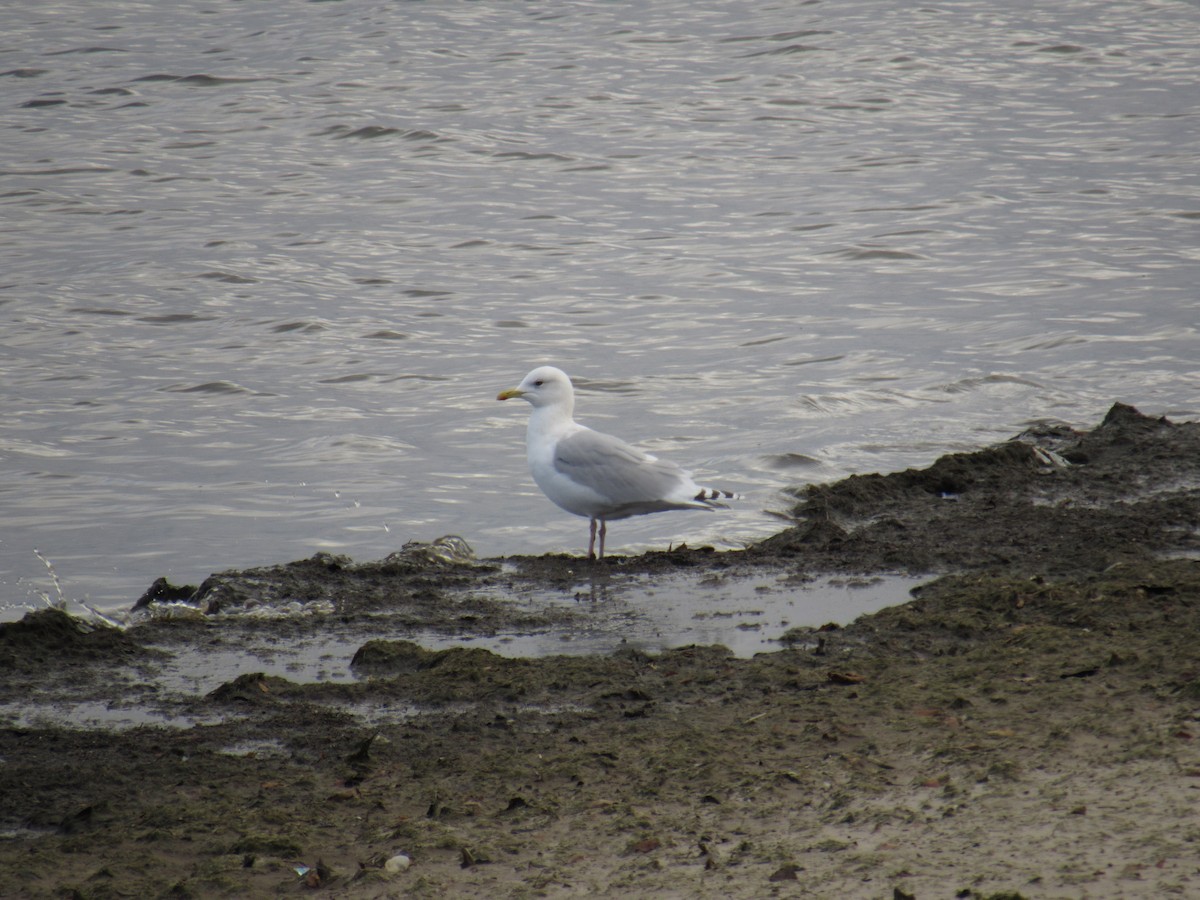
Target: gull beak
{"x": 510, "y": 394}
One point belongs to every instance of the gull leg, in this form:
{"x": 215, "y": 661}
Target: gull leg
{"x": 592, "y": 542}
{"x": 603, "y": 532}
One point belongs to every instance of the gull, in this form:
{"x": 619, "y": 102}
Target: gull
{"x": 595, "y": 475}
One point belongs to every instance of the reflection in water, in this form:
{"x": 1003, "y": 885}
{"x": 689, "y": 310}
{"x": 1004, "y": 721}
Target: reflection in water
{"x": 595, "y": 589}
{"x": 653, "y": 613}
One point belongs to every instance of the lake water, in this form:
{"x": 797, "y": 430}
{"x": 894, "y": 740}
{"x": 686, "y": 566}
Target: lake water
{"x": 264, "y": 267}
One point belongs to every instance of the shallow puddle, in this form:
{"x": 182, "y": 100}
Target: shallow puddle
{"x": 746, "y": 614}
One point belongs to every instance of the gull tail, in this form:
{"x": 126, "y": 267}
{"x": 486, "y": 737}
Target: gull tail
{"x": 713, "y": 496}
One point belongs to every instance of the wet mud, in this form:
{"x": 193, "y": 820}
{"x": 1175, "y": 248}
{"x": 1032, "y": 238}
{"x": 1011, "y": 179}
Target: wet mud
{"x": 1025, "y": 724}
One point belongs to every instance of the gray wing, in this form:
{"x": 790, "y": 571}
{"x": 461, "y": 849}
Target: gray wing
{"x": 616, "y": 471}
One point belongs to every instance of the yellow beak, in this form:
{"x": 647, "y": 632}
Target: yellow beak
{"x": 510, "y": 393}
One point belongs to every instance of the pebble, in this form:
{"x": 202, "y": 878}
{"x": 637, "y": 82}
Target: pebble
{"x": 397, "y": 864}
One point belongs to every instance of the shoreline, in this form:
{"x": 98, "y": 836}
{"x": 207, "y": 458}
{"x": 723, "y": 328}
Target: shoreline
{"x": 1024, "y": 725}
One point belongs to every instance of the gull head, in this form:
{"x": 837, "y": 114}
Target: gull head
{"x": 544, "y": 386}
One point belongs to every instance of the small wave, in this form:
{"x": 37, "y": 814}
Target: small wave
{"x": 966, "y": 385}
{"x": 201, "y": 80}
{"x": 424, "y": 292}
{"x": 74, "y": 50}
{"x": 791, "y": 461}
{"x": 227, "y": 277}
{"x": 387, "y": 335}
{"x": 766, "y": 340}
{"x": 525, "y": 155}
{"x": 607, "y": 387}
{"x": 370, "y": 132}
{"x": 861, "y": 254}
{"x": 66, "y": 170}
{"x": 784, "y": 51}
{"x": 174, "y": 319}
{"x": 434, "y": 378}
{"x": 305, "y": 327}
{"x": 779, "y": 36}
{"x": 99, "y": 311}
{"x": 815, "y": 359}
{"x": 1061, "y": 48}
{"x": 209, "y": 387}
{"x": 350, "y": 379}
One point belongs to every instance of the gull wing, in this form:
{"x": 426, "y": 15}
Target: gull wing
{"x": 632, "y": 481}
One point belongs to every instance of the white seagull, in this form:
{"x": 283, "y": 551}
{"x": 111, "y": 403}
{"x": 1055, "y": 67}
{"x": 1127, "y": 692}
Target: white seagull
{"x": 596, "y": 475}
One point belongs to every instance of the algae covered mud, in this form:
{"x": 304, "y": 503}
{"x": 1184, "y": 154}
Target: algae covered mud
{"x": 1025, "y": 724}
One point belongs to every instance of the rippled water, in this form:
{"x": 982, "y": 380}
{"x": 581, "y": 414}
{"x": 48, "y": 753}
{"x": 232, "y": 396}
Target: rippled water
{"x": 265, "y": 266}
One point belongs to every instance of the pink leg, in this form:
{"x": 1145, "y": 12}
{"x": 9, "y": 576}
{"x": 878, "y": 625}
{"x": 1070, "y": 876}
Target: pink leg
{"x": 592, "y": 542}
{"x": 603, "y": 532}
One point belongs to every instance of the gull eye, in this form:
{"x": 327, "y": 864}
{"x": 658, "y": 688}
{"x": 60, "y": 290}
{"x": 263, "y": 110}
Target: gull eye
{"x": 538, "y": 383}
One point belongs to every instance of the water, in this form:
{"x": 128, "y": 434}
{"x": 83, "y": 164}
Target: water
{"x": 746, "y": 615}
{"x": 264, "y": 267}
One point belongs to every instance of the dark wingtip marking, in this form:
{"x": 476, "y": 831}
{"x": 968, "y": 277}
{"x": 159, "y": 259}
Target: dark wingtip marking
{"x": 715, "y": 494}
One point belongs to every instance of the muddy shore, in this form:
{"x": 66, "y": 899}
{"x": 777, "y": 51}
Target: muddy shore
{"x": 1027, "y": 724}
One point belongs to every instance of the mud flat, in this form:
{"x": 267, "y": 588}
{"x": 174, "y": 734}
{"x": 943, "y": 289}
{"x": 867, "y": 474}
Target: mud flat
{"x": 1025, "y": 724}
